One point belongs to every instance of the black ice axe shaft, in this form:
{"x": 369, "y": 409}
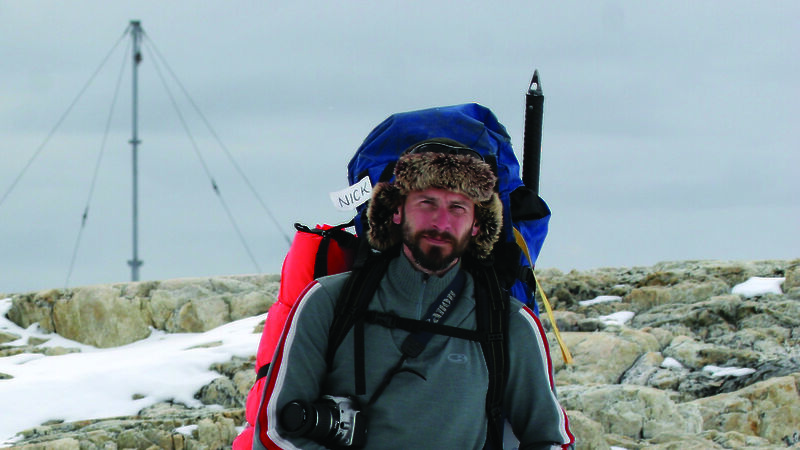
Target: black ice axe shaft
{"x": 532, "y": 138}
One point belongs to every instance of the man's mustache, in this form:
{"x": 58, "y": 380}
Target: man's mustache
{"x": 442, "y": 236}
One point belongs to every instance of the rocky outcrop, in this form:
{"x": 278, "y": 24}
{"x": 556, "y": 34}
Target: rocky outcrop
{"x": 669, "y": 356}
{"x": 118, "y": 314}
{"x": 163, "y": 426}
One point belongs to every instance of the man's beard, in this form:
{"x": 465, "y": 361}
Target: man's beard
{"x": 436, "y": 258}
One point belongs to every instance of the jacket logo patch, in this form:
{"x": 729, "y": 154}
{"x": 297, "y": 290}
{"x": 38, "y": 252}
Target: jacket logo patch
{"x": 457, "y": 358}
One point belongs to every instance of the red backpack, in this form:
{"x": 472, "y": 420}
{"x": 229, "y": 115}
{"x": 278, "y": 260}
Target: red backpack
{"x": 323, "y": 250}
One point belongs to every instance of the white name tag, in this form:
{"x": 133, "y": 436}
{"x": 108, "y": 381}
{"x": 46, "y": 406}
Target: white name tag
{"x": 351, "y": 198}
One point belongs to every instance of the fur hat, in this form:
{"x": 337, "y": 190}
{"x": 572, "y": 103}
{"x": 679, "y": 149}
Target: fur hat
{"x": 426, "y": 165}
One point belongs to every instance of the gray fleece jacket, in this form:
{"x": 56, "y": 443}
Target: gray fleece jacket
{"x": 440, "y": 402}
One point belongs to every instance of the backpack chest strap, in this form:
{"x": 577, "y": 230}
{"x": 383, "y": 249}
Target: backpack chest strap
{"x": 389, "y": 320}
{"x": 415, "y": 343}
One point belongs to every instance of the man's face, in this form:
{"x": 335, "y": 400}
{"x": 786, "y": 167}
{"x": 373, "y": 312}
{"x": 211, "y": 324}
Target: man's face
{"x": 437, "y": 227}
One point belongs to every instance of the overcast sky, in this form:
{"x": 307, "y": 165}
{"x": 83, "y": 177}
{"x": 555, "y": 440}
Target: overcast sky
{"x": 670, "y": 128}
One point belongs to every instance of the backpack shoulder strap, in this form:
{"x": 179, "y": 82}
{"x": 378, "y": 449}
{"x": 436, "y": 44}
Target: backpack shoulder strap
{"x": 492, "y": 307}
{"x": 351, "y": 305}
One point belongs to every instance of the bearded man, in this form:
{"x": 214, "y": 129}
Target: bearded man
{"x": 441, "y": 208}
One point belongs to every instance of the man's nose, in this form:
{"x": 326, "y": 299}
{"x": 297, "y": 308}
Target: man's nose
{"x": 441, "y": 219}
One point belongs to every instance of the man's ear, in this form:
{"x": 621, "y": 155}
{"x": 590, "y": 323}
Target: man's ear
{"x": 475, "y": 229}
{"x": 397, "y": 217}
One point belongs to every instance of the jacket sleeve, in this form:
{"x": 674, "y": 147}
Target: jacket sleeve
{"x": 531, "y": 404}
{"x": 298, "y": 367}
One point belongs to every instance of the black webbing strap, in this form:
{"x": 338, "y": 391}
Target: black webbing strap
{"x": 492, "y": 309}
{"x": 321, "y": 260}
{"x": 389, "y": 320}
{"x": 262, "y": 371}
{"x": 350, "y": 308}
{"x": 388, "y": 172}
{"x": 338, "y": 234}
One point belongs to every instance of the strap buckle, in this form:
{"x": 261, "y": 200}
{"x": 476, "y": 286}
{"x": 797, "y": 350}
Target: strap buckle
{"x": 494, "y": 337}
{"x": 385, "y": 320}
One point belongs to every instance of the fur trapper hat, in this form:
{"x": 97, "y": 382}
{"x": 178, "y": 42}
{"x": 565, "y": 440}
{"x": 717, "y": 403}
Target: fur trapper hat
{"x": 426, "y": 165}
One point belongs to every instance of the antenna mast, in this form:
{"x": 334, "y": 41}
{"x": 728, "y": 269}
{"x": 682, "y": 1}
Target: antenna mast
{"x": 136, "y": 34}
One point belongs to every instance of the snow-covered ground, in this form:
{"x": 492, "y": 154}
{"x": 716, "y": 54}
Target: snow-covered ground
{"x": 98, "y": 383}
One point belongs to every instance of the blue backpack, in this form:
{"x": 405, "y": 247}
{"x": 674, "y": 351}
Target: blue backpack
{"x": 526, "y": 215}
{"x": 320, "y": 251}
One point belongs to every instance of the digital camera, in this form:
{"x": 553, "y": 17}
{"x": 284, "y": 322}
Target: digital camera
{"x": 331, "y": 421}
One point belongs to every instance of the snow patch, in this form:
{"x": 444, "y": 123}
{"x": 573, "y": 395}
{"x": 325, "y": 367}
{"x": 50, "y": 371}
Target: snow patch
{"x": 756, "y": 286}
{"x": 618, "y": 318}
{"x": 725, "y": 371}
{"x": 186, "y": 430}
{"x": 671, "y": 363}
{"x": 600, "y": 299}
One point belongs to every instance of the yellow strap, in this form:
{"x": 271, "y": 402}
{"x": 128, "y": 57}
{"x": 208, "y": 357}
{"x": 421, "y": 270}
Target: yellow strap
{"x": 524, "y": 246}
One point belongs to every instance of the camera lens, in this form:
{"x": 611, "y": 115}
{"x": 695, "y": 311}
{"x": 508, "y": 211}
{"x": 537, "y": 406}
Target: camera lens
{"x": 331, "y": 421}
{"x": 294, "y": 417}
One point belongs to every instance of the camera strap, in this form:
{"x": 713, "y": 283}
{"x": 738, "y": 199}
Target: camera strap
{"x": 416, "y": 342}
